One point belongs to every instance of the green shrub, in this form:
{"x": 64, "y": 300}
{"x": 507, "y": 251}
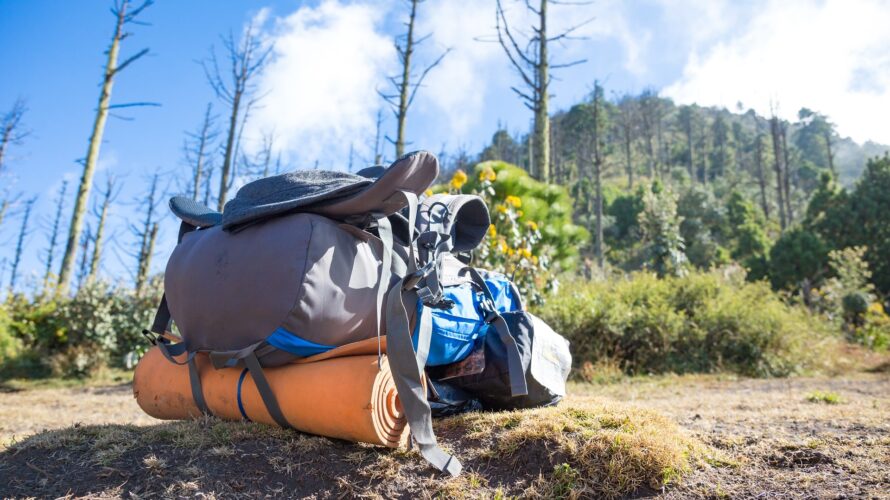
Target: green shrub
{"x": 701, "y": 322}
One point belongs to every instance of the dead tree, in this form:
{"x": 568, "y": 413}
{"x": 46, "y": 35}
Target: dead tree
{"x": 85, "y": 240}
{"x": 147, "y": 234}
{"x": 777, "y": 166}
{"x": 761, "y": 173}
{"x": 599, "y": 153}
{"x": 378, "y": 157}
{"x": 687, "y": 119}
{"x": 124, "y": 16}
{"x": 196, "y": 149}
{"x": 12, "y": 132}
{"x": 531, "y": 60}
{"x": 650, "y": 120}
{"x": 406, "y": 84}
{"x": 264, "y": 156}
{"x": 787, "y": 180}
{"x": 20, "y": 244}
{"x": 626, "y": 119}
{"x": 108, "y": 196}
{"x": 54, "y": 235}
{"x": 247, "y": 59}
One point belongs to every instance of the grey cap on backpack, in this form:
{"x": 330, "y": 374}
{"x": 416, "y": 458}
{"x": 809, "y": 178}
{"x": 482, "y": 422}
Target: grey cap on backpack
{"x": 333, "y": 194}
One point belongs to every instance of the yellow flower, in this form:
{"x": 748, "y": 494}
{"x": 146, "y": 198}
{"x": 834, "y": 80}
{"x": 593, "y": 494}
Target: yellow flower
{"x": 492, "y": 231}
{"x": 502, "y": 246}
{"x": 532, "y": 225}
{"x": 487, "y": 174}
{"x": 524, "y": 252}
{"x": 876, "y": 308}
{"x": 501, "y": 209}
{"x": 514, "y": 200}
{"x": 510, "y": 252}
{"x": 428, "y": 192}
{"x": 458, "y": 180}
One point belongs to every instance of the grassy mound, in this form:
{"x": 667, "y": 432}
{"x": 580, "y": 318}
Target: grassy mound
{"x": 583, "y": 448}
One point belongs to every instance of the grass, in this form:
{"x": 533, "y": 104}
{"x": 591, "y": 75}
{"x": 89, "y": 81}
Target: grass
{"x": 826, "y": 397}
{"x": 588, "y": 447}
{"x": 102, "y": 377}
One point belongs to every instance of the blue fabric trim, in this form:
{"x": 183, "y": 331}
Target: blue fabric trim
{"x": 290, "y": 342}
{"x": 240, "y": 405}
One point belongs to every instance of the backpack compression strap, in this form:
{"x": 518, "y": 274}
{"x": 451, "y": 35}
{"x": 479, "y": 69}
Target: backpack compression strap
{"x": 161, "y": 325}
{"x": 518, "y": 386}
{"x": 408, "y": 364}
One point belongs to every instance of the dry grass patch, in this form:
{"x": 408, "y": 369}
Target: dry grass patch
{"x": 583, "y": 448}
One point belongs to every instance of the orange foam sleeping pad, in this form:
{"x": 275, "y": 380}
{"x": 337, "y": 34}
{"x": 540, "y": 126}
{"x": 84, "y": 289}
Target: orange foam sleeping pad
{"x": 345, "y": 397}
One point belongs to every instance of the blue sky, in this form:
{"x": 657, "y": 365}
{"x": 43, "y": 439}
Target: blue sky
{"x": 331, "y": 56}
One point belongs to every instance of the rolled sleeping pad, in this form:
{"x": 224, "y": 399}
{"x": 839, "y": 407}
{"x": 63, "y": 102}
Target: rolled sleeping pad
{"x": 348, "y": 397}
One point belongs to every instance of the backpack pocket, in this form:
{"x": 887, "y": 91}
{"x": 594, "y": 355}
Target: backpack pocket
{"x": 453, "y": 338}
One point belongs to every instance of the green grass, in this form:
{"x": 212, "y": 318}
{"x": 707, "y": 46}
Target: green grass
{"x": 826, "y": 397}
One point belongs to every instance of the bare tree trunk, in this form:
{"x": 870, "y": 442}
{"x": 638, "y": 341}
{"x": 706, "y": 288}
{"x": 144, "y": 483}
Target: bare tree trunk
{"x": 404, "y": 84}
{"x": 20, "y": 244}
{"x": 83, "y": 192}
{"x": 196, "y": 150}
{"x": 247, "y": 60}
{"x": 98, "y": 241}
{"x": 378, "y": 159}
{"x": 11, "y": 132}
{"x": 84, "y": 253}
{"x": 690, "y": 143}
{"x": 147, "y": 235}
{"x": 598, "y": 174}
{"x": 4, "y": 207}
{"x": 534, "y": 66}
{"x": 54, "y": 235}
{"x": 787, "y": 180}
{"x": 761, "y": 174}
{"x": 777, "y": 165}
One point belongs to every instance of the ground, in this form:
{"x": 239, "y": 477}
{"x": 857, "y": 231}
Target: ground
{"x": 672, "y": 437}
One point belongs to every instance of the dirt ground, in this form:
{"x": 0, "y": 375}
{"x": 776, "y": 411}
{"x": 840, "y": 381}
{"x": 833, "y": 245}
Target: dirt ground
{"x": 778, "y": 438}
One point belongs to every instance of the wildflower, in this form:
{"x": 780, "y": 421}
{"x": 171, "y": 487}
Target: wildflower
{"x": 502, "y": 246}
{"x": 501, "y": 209}
{"x": 492, "y": 231}
{"x": 428, "y": 192}
{"x": 532, "y": 225}
{"x": 514, "y": 200}
{"x": 525, "y": 253}
{"x": 487, "y": 174}
{"x": 876, "y": 308}
{"x": 458, "y": 180}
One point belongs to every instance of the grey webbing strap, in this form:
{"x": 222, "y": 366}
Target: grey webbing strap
{"x": 384, "y": 231}
{"x": 518, "y": 386}
{"x": 170, "y": 350}
{"x": 195, "y": 382}
{"x": 265, "y": 390}
{"x": 407, "y": 368}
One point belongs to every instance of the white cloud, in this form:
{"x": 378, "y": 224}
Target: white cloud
{"x": 833, "y": 56}
{"x": 320, "y": 86}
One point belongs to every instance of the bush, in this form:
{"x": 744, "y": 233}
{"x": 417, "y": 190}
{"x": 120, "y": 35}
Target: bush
{"x": 701, "y": 322}
{"x": 74, "y": 337}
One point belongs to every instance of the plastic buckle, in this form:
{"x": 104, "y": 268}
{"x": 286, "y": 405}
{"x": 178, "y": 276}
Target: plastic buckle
{"x": 151, "y": 336}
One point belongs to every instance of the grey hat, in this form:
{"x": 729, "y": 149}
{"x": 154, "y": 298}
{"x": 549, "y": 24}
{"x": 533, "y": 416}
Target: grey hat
{"x": 330, "y": 193}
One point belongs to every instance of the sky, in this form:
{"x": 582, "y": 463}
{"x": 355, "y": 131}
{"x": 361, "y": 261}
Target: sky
{"x": 331, "y": 57}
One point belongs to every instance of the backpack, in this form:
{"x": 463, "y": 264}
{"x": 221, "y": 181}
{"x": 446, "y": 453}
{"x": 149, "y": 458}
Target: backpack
{"x": 301, "y": 263}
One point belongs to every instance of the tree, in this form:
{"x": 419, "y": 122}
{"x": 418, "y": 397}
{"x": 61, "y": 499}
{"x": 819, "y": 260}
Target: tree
{"x": 650, "y": 113}
{"x": 532, "y": 61}
{"x": 721, "y": 153}
{"x": 799, "y": 258}
{"x": 196, "y": 149}
{"x": 54, "y": 234}
{"x": 687, "y": 116}
{"x": 760, "y": 172}
{"x": 406, "y": 84}
{"x": 124, "y": 16}
{"x": 20, "y": 244}
{"x": 147, "y": 234}
{"x": 108, "y": 196}
{"x": 660, "y": 224}
{"x": 777, "y": 166}
{"x": 12, "y": 132}
{"x": 626, "y": 118}
{"x": 871, "y": 204}
{"x": 247, "y": 59}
